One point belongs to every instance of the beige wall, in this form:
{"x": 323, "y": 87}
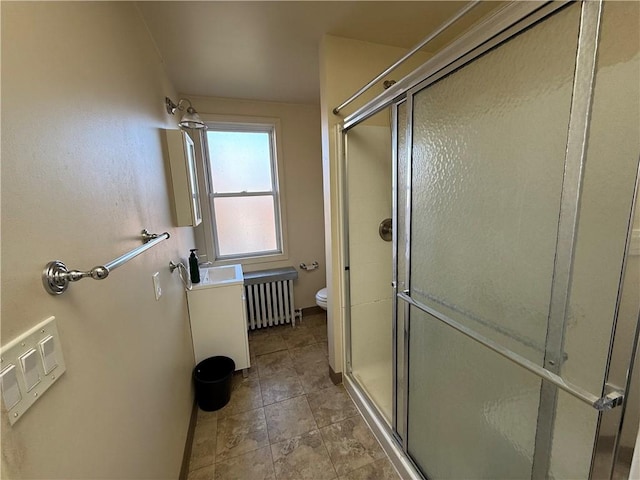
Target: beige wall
{"x": 300, "y": 147}
{"x": 345, "y": 66}
{"x": 82, "y": 174}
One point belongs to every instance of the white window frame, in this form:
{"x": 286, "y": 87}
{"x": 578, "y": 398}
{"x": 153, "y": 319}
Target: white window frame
{"x": 208, "y": 233}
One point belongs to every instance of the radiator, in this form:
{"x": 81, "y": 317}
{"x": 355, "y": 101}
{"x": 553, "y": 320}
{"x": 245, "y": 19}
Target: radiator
{"x": 269, "y": 297}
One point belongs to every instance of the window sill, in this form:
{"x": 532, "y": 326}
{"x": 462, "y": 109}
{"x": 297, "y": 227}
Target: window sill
{"x": 279, "y": 257}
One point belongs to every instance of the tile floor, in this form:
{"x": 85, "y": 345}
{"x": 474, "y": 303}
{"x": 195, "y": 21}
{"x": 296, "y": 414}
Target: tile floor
{"x": 286, "y": 419}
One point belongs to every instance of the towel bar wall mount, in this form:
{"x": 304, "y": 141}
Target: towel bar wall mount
{"x": 183, "y": 272}
{"x": 56, "y": 276}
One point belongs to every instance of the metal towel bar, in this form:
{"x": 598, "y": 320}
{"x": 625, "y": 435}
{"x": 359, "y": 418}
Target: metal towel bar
{"x": 56, "y": 276}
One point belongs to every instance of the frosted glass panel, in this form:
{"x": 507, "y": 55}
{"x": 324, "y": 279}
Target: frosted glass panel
{"x": 488, "y": 156}
{"x": 240, "y": 161}
{"x": 245, "y": 225}
{"x": 573, "y": 439}
{"x": 473, "y": 414}
{"x": 370, "y": 259}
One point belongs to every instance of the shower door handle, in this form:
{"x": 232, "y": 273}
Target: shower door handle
{"x": 614, "y": 396}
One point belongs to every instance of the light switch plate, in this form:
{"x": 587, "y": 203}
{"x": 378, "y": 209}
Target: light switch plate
{"x": 25, "y": 354}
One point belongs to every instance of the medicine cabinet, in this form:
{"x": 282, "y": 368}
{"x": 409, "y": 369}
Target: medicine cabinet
{"x": 184, "y": 180}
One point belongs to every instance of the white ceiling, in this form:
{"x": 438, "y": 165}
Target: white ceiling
{"x": 268, "y": 50}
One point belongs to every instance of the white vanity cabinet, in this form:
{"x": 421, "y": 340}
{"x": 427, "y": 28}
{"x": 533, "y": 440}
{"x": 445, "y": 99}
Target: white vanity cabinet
{"x": 218, "y": 315}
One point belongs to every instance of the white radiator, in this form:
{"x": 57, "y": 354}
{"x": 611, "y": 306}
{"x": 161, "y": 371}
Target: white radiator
{"x": 269, "y": 297}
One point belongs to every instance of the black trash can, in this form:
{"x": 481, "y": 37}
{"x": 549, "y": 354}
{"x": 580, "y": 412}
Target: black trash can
{"x": 212, "y": 378}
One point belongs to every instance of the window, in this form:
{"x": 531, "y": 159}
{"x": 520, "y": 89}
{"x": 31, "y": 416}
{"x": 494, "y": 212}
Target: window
{"x": 244, "y": 196}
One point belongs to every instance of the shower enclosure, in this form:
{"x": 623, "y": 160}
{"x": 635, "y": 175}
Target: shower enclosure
{"x": 494, "y": 336}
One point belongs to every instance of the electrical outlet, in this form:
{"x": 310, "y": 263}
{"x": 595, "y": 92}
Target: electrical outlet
{"x": 157, "y": 289}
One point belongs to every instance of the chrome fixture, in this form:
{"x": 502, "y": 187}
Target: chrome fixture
{"x": 56, "y": 276}
{"x": 313, "y": 266}
{"x": 183, "y": 273}
{"x": 385, "y": 229}
{"x": 190, "y": 119}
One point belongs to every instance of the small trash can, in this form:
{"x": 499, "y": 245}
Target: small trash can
{"x": 212, "y": 378}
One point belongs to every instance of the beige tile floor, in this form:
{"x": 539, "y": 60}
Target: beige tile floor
{"x": 286, "y": 419}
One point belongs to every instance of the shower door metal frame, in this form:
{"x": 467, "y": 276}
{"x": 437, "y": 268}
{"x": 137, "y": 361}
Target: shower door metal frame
{"x": 603, "y": 452}
{"x": 394, "y": 268}
{"x": 500, "y": 27}
{"x": 407, "y": 278}
{"x": 572, "y": 185}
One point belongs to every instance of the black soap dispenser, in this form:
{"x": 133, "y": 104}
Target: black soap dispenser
{"x": 194, "y": 269}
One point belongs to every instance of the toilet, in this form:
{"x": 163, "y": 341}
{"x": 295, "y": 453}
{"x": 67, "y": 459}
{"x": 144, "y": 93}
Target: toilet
{"x": 321, "y": 298}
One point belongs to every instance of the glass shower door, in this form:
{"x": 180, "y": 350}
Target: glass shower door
{"x": 491, "y": 251}
{"x": 483, "y": 237}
